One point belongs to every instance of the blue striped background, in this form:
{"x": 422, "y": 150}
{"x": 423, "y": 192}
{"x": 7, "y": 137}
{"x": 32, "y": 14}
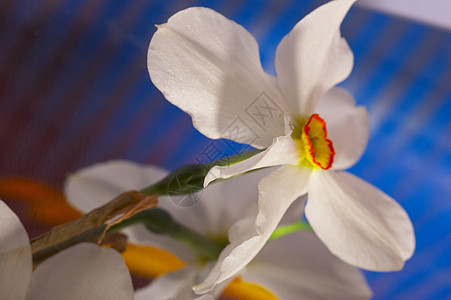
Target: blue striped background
{"x": 74, "y": 90}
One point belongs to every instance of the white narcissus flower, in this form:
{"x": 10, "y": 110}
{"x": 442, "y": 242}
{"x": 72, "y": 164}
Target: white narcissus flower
{"x": 209, "y": 66}
{"x": 293, "y": 265}
{"x": 84, "y": 271}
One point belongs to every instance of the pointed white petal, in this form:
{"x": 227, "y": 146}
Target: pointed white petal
{"x": 239, "y": 232}
{"x": 174, "y": 285}
{"x": 358, "y": 222}
{"x": 15, "y": 255}
{"x": 229, "y": 208}
{"x": 277, "y": 192}
{"x": 282, "y": 151}
{"x": 219, "y": 207}
{"x": 84, "y": 271}
{"x": 209, "y": 66}
{"x": 313, "y": 57}
{"x": 95, "y": 185}
{"x": 299, "y": 264}
{"x": 347, "y": 126}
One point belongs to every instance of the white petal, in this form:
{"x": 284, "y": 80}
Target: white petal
{"x": 205, "y": 297}
{"x": 239, "y": 232}
{"x": 295, "y": 213}
{"x": 95, "y": 185}
{"x": 358, "y": 222}
{"x": 209, "y": 66}
{"x": 277, "y": 192}
{"x": 313, "y": 57}
{"x": 299, "y": 264}
{"x": 15, "y": 255}
{"x": 84, "y": 271}
{"x": 282, "y": 151}
{"x": 219, "y": 205}
{"x": 174, "y": 285}
{"x": 139, "y": 234}
{"x": 347, "y": 126}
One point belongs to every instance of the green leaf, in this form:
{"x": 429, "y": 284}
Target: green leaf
{"x": 190, "y": 178}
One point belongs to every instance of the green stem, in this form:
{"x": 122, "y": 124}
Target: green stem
{"x": 190, "y": 178}
{"x": 91, "y": 236}
{"x": 287, "y": 229}
{"x": 157, "y": 221}
{"x": 184, "y": 180}
{"x": 160, "y": 222}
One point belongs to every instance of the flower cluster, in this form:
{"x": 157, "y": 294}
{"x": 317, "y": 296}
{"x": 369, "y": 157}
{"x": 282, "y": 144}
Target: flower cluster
{"x": 244, "y": 238}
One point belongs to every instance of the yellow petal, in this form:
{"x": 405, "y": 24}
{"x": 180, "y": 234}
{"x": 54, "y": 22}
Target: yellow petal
{"x": 239, "y": 289}
{"x": 48, "y": 205}
{"x": 150, "y": 261}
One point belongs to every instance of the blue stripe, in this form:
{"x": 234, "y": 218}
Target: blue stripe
{"x": 283, "y": 24}
{"x": 22, "y": 13}
{"x": 402, "y": 115}
{"x": 54, "y": 30}
{"x": 97, "y": 92}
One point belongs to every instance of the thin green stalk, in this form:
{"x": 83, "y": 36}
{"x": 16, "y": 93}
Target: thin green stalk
{"x": 287, "y": 229}
{"x": 159, "y": 221}
{"x": 190, "y": 178}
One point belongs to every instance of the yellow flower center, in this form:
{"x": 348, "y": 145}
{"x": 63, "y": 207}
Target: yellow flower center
{"x": 315, "y": 148}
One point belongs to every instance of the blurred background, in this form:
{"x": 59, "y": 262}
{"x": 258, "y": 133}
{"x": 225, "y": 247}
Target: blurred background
{"x": 74, "y": 90}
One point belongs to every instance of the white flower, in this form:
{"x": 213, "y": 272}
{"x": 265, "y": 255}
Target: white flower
{"x": 85, "y": 271}
{"x": 296, "y": 264}
{"x": 209, "y": 66}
